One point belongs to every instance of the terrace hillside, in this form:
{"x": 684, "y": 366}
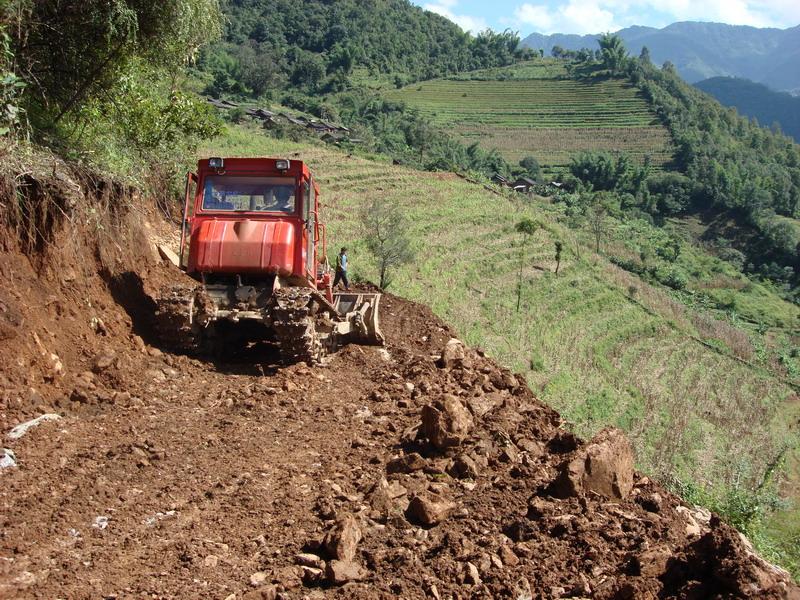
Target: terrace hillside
{"x": 534, "y": 109}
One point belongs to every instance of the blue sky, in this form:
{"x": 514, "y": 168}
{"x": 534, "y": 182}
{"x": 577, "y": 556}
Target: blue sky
{"x": 596, "y": 16}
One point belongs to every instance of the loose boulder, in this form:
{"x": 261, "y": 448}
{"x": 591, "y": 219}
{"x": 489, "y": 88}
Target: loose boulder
{"x": 339, "y": 572}
{"x": 453, "y": 354}
{"x": 604, "y": 466}
{"x": 446, "y": 422}
{"x": 429, "y": 509}
{"x": 342, "y": 540}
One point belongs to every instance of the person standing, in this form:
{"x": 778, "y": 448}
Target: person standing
{"x": 341, "y": 269}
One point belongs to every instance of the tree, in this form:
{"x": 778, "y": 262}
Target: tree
{"x": 309, "y": 69}
{"x": 341, "y": 59}
{"x": 612, "y": 52}
{"x": 72, "y": 51}
{"x": 531, "y": 166}
{"x": 644, "y": 56}
{"x": 597, "y": 223}
{"x": 527, "y": 228}
{"x": 386, "y": 238}
{"x": 559, "y": 248}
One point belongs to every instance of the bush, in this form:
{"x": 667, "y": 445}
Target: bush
{"x": 671, "y": 277}
{"x": 674, "y": 193}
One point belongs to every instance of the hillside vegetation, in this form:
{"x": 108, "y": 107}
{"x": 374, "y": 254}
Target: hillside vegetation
{"x": 756, "y": 101}
{"x": 314, "y": 46}
{"x": 706, "y": 400}
{"x": 534, "y": 109}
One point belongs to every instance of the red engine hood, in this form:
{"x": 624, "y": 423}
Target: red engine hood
{"x": 243, "y": 246}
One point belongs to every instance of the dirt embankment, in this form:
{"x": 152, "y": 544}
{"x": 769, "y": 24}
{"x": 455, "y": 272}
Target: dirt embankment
{"x": 422, "y": 470}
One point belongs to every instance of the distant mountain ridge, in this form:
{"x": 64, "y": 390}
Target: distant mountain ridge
{"x": 756, "y": 100}
{"x": 704, "y": 50}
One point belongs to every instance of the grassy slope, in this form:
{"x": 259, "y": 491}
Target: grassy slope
{"x": 536, "y": 111}
{"x": 597, "y": 343}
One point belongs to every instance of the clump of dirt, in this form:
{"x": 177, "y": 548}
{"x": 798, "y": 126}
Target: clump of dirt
{"x": 418, "y": 470}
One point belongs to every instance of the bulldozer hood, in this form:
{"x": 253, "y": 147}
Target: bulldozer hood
{"x": 244, "y": 246}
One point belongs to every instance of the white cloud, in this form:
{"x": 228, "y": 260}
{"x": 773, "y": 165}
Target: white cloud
{"x": 733, "y": 12}
{"x": 466, "y": 22}
{"x": 596, "y": 16}
{"x": 578, "y": 16}
{"x": 539, "y": 17}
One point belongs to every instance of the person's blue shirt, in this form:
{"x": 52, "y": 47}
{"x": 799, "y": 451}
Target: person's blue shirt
{"x": 342, "y": 262}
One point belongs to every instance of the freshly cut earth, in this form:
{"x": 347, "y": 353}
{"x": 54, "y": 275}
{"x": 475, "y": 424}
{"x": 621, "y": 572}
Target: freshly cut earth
{"x": 418, "y": 470}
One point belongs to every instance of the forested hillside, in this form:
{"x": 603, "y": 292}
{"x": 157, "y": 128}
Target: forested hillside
{"x": 756, "y": 101}
{"x": 323, "y": 57}
{"x": 314, "y": 45}
{"x": 104, "y": 83}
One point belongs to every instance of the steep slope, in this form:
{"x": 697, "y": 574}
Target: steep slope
{"x": 385, "y": 474}
{"x": 595, "y": 342}
{"x": 704, "y": 50}
{"x": 757, "y": 101}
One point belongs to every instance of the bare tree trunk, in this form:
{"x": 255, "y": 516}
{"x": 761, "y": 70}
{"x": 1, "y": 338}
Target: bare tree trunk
{"x": 519, "y": 281}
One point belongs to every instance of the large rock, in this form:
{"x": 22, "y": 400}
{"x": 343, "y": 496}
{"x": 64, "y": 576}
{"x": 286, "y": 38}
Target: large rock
{"x": 342, "y": 540}
{"x": 339, "y": 572}
{"x": 408, "y": 463}
{"x": 453, "y": 354}
{"x": 429, "y": 509}
{"x": 604, "y": 466}
{"x": 387, "y": 499}
{"x": 447, "y": 422}
{"x": 464, "y": 467}
{"x": 267, "y": 592}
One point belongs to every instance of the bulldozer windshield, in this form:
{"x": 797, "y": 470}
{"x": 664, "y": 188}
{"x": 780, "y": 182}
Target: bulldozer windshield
{"x": 249, "y": 194}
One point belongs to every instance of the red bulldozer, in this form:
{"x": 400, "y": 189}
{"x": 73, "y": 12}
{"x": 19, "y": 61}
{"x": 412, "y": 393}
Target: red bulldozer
{"x": 254, "y": 242}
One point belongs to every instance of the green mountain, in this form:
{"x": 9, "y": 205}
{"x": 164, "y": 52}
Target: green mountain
{"x": 268, "y": 45}
{"x": 757, "y": 101}
{"x": 704, "y": 50}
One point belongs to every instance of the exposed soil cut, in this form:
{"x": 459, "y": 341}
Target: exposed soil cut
{"x": 418, "y": 470}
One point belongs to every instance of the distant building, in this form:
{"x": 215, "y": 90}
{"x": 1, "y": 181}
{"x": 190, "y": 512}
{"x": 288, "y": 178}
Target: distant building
{"x": 523, "y": 185}
{"x": 222, "y": 104}
{"x": 499, "y": 179}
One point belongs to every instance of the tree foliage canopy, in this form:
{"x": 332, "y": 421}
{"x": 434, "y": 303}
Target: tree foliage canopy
{"x": 387, "y": 238}
{"x": 72, "y": 51}
{"x": 383, "y": 36}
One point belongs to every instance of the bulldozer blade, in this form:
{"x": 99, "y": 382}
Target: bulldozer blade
{"x": 360, "y": 312}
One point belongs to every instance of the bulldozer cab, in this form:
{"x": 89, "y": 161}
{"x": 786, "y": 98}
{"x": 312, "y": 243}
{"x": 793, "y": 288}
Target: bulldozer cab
{"x": 258, "y": 216}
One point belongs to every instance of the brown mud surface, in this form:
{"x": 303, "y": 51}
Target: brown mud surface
{"x": 418, "y": 470}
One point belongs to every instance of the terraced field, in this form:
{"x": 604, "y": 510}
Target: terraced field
{"x": 538, "y": 111}
{"x": 597, "y": 343}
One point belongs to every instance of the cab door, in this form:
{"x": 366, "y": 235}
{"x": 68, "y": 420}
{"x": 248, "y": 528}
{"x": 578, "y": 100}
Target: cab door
{"x": 309, "y": 219}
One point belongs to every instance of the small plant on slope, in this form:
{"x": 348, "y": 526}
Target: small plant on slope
{"x": 387, "y": 238}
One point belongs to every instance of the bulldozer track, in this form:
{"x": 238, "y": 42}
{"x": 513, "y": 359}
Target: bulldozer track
{"x": 172, "y": 323}
{"x": 294, "y": 325}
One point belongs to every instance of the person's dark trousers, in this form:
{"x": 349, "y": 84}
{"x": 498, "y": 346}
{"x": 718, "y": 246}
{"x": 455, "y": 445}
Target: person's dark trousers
{"x": 341, "y": 276}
